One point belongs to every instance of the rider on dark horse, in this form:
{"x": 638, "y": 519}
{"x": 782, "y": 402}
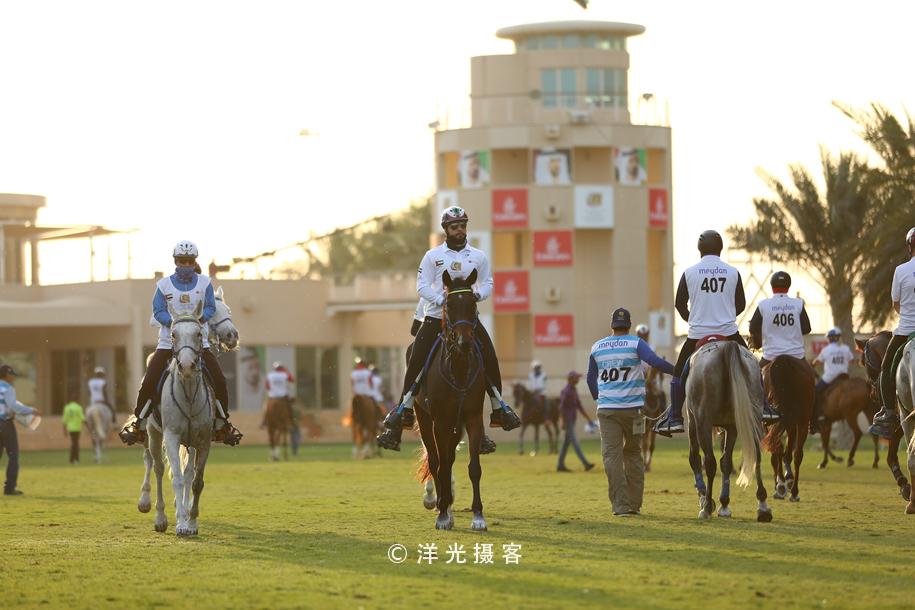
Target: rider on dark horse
{"x": 715, "y": 291}
{"x": 779, "y": 324}
{"x": 902, "y": 292}
{"x": 536, "y": 385}
{"x": 182, "y": 291}
{"x": 459, "y": 258}
{"x": 836, "y": 357}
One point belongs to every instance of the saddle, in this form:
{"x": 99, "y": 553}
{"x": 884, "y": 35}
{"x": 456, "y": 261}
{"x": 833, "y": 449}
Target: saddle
{"x": 710, "y": 339}
{"x": 835, "y": 383}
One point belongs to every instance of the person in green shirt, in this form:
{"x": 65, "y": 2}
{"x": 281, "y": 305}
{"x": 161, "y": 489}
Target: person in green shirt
{"x": 73, "y": 419}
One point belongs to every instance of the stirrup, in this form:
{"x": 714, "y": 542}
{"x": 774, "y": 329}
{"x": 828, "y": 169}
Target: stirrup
{"x": 510, "y": 419}
{"x": 409, "y": 418}
{"x": 669, "y": 425}
{"x": 227, "y": 433}
{"x": 389, "y": 439}
{"x": 770, "y": 414}
{"x": 132, "y": 434}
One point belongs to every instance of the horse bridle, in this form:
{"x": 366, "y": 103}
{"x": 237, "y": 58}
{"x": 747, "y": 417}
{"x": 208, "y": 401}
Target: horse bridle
{"x": 449, "y": 346}
{"x": 198, "y": 353}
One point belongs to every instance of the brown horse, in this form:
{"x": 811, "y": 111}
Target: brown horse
{"x": 654, "y": 406}
{"x": 873, "y": 350}
{"x": 365, "y": 418}
{"x": 452, "y": 401}
{"x": 537, "y": 411}
{"x": 843, "y": 400}
{"x": 791, "y": 386}
{"x": 279, "y": 424}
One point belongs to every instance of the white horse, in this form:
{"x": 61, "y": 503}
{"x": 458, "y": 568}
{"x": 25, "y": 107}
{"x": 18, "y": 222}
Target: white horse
{"x": 100, "y": 420}
{"x": 723, "y": 389}
{"x": 905, "y": 391}
{"x": 187, "y": 421}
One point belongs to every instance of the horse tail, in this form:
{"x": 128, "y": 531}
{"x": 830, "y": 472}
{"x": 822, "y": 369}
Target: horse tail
{"x": 423, "y": 472}
{"x": 746, "y": 414}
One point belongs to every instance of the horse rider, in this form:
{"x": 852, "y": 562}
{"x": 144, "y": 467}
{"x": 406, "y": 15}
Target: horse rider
{"x": 536, "y": 384}
{"x": 714, "y": 290}
{"x": 616, "y": 382}
{"x": 836, "y": 357}
{"x": 376, "y": 380}
{"x": 459, "y": 258}
{"x": 98, "y": 390}
{"x": 642, "y": 332}
{"x": 902, "y": 292}
{"x": 360, "y": 379}
{"x": 779, "y": 323}
{"x": 183, "y": 290}
{"x": 277, "y": 385}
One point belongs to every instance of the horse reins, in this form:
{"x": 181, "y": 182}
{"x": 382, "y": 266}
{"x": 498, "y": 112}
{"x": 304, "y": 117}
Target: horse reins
{"x": 445, "y": 361}
{"x": 200, "y": 381}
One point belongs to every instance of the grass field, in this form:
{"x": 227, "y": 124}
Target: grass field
{"x": 314, "y": 533}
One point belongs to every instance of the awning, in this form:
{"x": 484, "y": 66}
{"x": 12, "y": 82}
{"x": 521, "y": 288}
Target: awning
{"x": 66, "y": 311}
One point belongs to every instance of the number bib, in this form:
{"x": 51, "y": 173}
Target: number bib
{"x": 620, "y": 382}
{"x": 781, "y": 327}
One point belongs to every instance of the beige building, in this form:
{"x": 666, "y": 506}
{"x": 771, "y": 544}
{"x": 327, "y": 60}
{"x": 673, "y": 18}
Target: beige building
{"x": 570, "y": 199}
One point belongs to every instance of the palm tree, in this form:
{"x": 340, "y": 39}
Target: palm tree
{"x": 821, "y": 231}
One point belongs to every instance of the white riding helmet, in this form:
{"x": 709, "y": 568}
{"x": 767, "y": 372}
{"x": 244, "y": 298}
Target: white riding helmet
{"x": 185, "y": 249}
{"x": 641, "y": 330}
{"x": 277, "y": 365}
{"x": 535, "y": 364}
{"x": 454, "y": 214}
{"x": 99, "y": 370}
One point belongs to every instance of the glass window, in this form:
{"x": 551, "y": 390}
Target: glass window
{"x": 606, "y": 88}
{"x": 603, "y": 42}
{"x": 549, "y": 42}
{"x": 329, "y": 390}
{"x": 532, "y": 43}
{"x": 590, "y": 41}
{"x": 571, "y": 41}
{"x": 306, "y": 380}
{"x": 549, "y": 87}
{"x": 569, "y": 87}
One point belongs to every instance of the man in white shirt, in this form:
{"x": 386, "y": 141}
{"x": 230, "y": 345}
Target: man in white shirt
{"x": 714, "y": 291}
{"x": 836, "y": 357}
{"x": 9, "y": 441}
{"x": 361, "y": 379}
{"x": 903, "y": 294}
{"x": 460, "y": 259}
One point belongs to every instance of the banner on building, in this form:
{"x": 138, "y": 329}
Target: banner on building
{"x": 593, "y": 207}
{"x": 473, "y": 169}
{"x": 552, "y": 248}
{"x": 554, "y": 330}
{"x": 629, "y": 166}
{"x": 553, "y": 167}
{"x": 444, "y": 200}
{"x": 511, "y": 292}
{"x": 509, "y": 209}
{"x": 658, "y": 211}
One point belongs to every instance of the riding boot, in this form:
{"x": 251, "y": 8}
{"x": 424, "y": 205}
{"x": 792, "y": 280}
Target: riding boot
{"x": 770, "y": 414}
{"x": 502, "y": 415}
{"x": 817, "y": 411}
{"x": 402, "y": 415}
{"x": 885, "y": 423}
{"x": 390, "y": 439}
{"x": 134, "y": 432}
{"x": 487, "y": 445}
{"x": 672, "y": 421}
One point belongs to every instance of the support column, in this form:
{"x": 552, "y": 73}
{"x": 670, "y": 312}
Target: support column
{"x": 345, "y": 362}
{"x": 135, "y": 365}
{"x": 34, "y": 260}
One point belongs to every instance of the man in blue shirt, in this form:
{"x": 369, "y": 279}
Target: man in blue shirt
{"x": 617, "y": 383}
{"x": 9, "y": 408}
{"x": 182, "y": 291}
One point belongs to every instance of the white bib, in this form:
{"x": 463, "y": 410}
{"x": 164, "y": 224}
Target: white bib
{"x": 362, "y": 384}
{"x": 835, "y": 358}
{"x": 97, "y": 390}
{"x": 277, "y": 384}
{"x": 182, "y": 302}
{"x": 712, "y": 284}
{"x": 781, "y": 327}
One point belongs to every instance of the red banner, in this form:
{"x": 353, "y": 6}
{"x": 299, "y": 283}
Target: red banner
{"x": 509, "y": 208}
{"x": 658, "y": 211}
{"x": 511, "y": 291}
{"x": 552, "y": 248}
{"x": 554, "y": 330}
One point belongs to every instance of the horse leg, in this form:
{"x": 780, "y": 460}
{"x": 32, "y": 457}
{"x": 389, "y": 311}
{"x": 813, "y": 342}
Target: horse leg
{"x": 536, "y": 440}
{"x": 727, "y": 467}
{"x": 799, "y": 438}
{"x": 200, "y": 462}
{"x": 160, "y": 524}
{"x": 174, "y": 461}
{"x": 187, "y": 463}
{"x": 825, "y": 431}
{"x": 475, "y": 470}
{"x": 145, "y": 504}
{"x": 763, "y": 512}
{"x": 711, "y": 468}
{"x": 443, "y": 442}
{"x": 852, "y": 421}
{"x": 876, "y": 463}
{"x": 775, "y": 458}
{"x": 892, "y": 460}
{"x": 908, "y": 428}
{"x": 696, "y": 464}
{"x": 521, "y": 439}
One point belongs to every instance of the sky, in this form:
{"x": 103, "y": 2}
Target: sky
{"x": 182, "y": 119}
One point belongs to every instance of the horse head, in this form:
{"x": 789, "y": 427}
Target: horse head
{"x": 872, "y": 351}
{"x": 187, "y": 339}
{"x": 222, "y": 331}
{"x": 459, "y": 315}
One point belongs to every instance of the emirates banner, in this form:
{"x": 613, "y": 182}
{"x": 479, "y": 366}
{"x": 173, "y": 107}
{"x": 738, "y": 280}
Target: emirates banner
{"x": 554, "y": 330}
{"x": 509, "y": 208}
{"x": 658, "y": 211}
{"x": 552, "y": 248}
{"x": 511, "y": 292}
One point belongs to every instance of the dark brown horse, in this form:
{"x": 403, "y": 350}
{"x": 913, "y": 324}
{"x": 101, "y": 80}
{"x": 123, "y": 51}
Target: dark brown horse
{"x": 537, "y": 411}
{"x": 873, "y": 350}
{"x": 365, "y": 417}
{"x": 452, "y": 401}
{"x": 654, "y": 406}
{"x": 279, "y": 424}
{"x": 791, "y": 386}
{"x": 843, "y": 401}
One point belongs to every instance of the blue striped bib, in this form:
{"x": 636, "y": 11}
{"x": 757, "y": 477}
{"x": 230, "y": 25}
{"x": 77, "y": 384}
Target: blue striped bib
{"x": 620, "y": 380}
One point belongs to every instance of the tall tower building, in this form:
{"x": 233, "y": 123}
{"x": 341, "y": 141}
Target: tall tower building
{"x": 569, "y": 198}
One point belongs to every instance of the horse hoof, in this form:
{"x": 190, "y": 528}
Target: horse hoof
{"x": 875, "y": 465}
{"x": 478, "y": 524}
{"x": 906, "y": 491}
{"x": 838, "y": 460}
{"x": 778, "y": 495}
{"x": 821, "y": 466}
{"x": 910, "y": 508}
{"x": 703, "y": 514}
{"x": 764, "y": 516}
{"x": 781, "y": 490}
{"x": 160, "y": 527}
{"x": 794, "y": 499}
{"x": 144, "y": 507}
{"x": 429, "y": 503}
{"x": 183, "y": 531}
{"x": 850, "y": 463}
{"x": 533, "y": 454}
{"x": 724, "y": 511}
{"x": 444, "y": 524}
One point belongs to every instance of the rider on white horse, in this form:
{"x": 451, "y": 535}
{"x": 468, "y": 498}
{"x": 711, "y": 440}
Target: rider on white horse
{"x": 714, "y": 290}
{"x": 779, "y": 323}
{"x": 98, "y": 390}
{"x": 460, "y": 259}
{"x": 836, "y": 357}
{"x": 182, "y": 291}
{"x": 903, "y": 294}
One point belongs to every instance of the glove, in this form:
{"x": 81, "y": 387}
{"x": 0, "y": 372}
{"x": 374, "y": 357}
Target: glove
{"x": 415, "y": 328}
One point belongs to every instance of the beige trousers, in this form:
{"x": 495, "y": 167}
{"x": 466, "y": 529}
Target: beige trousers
{"x": 621, "y": 447}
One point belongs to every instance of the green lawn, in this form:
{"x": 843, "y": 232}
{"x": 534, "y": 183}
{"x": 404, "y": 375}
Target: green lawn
{"x": 314, "y": 532}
